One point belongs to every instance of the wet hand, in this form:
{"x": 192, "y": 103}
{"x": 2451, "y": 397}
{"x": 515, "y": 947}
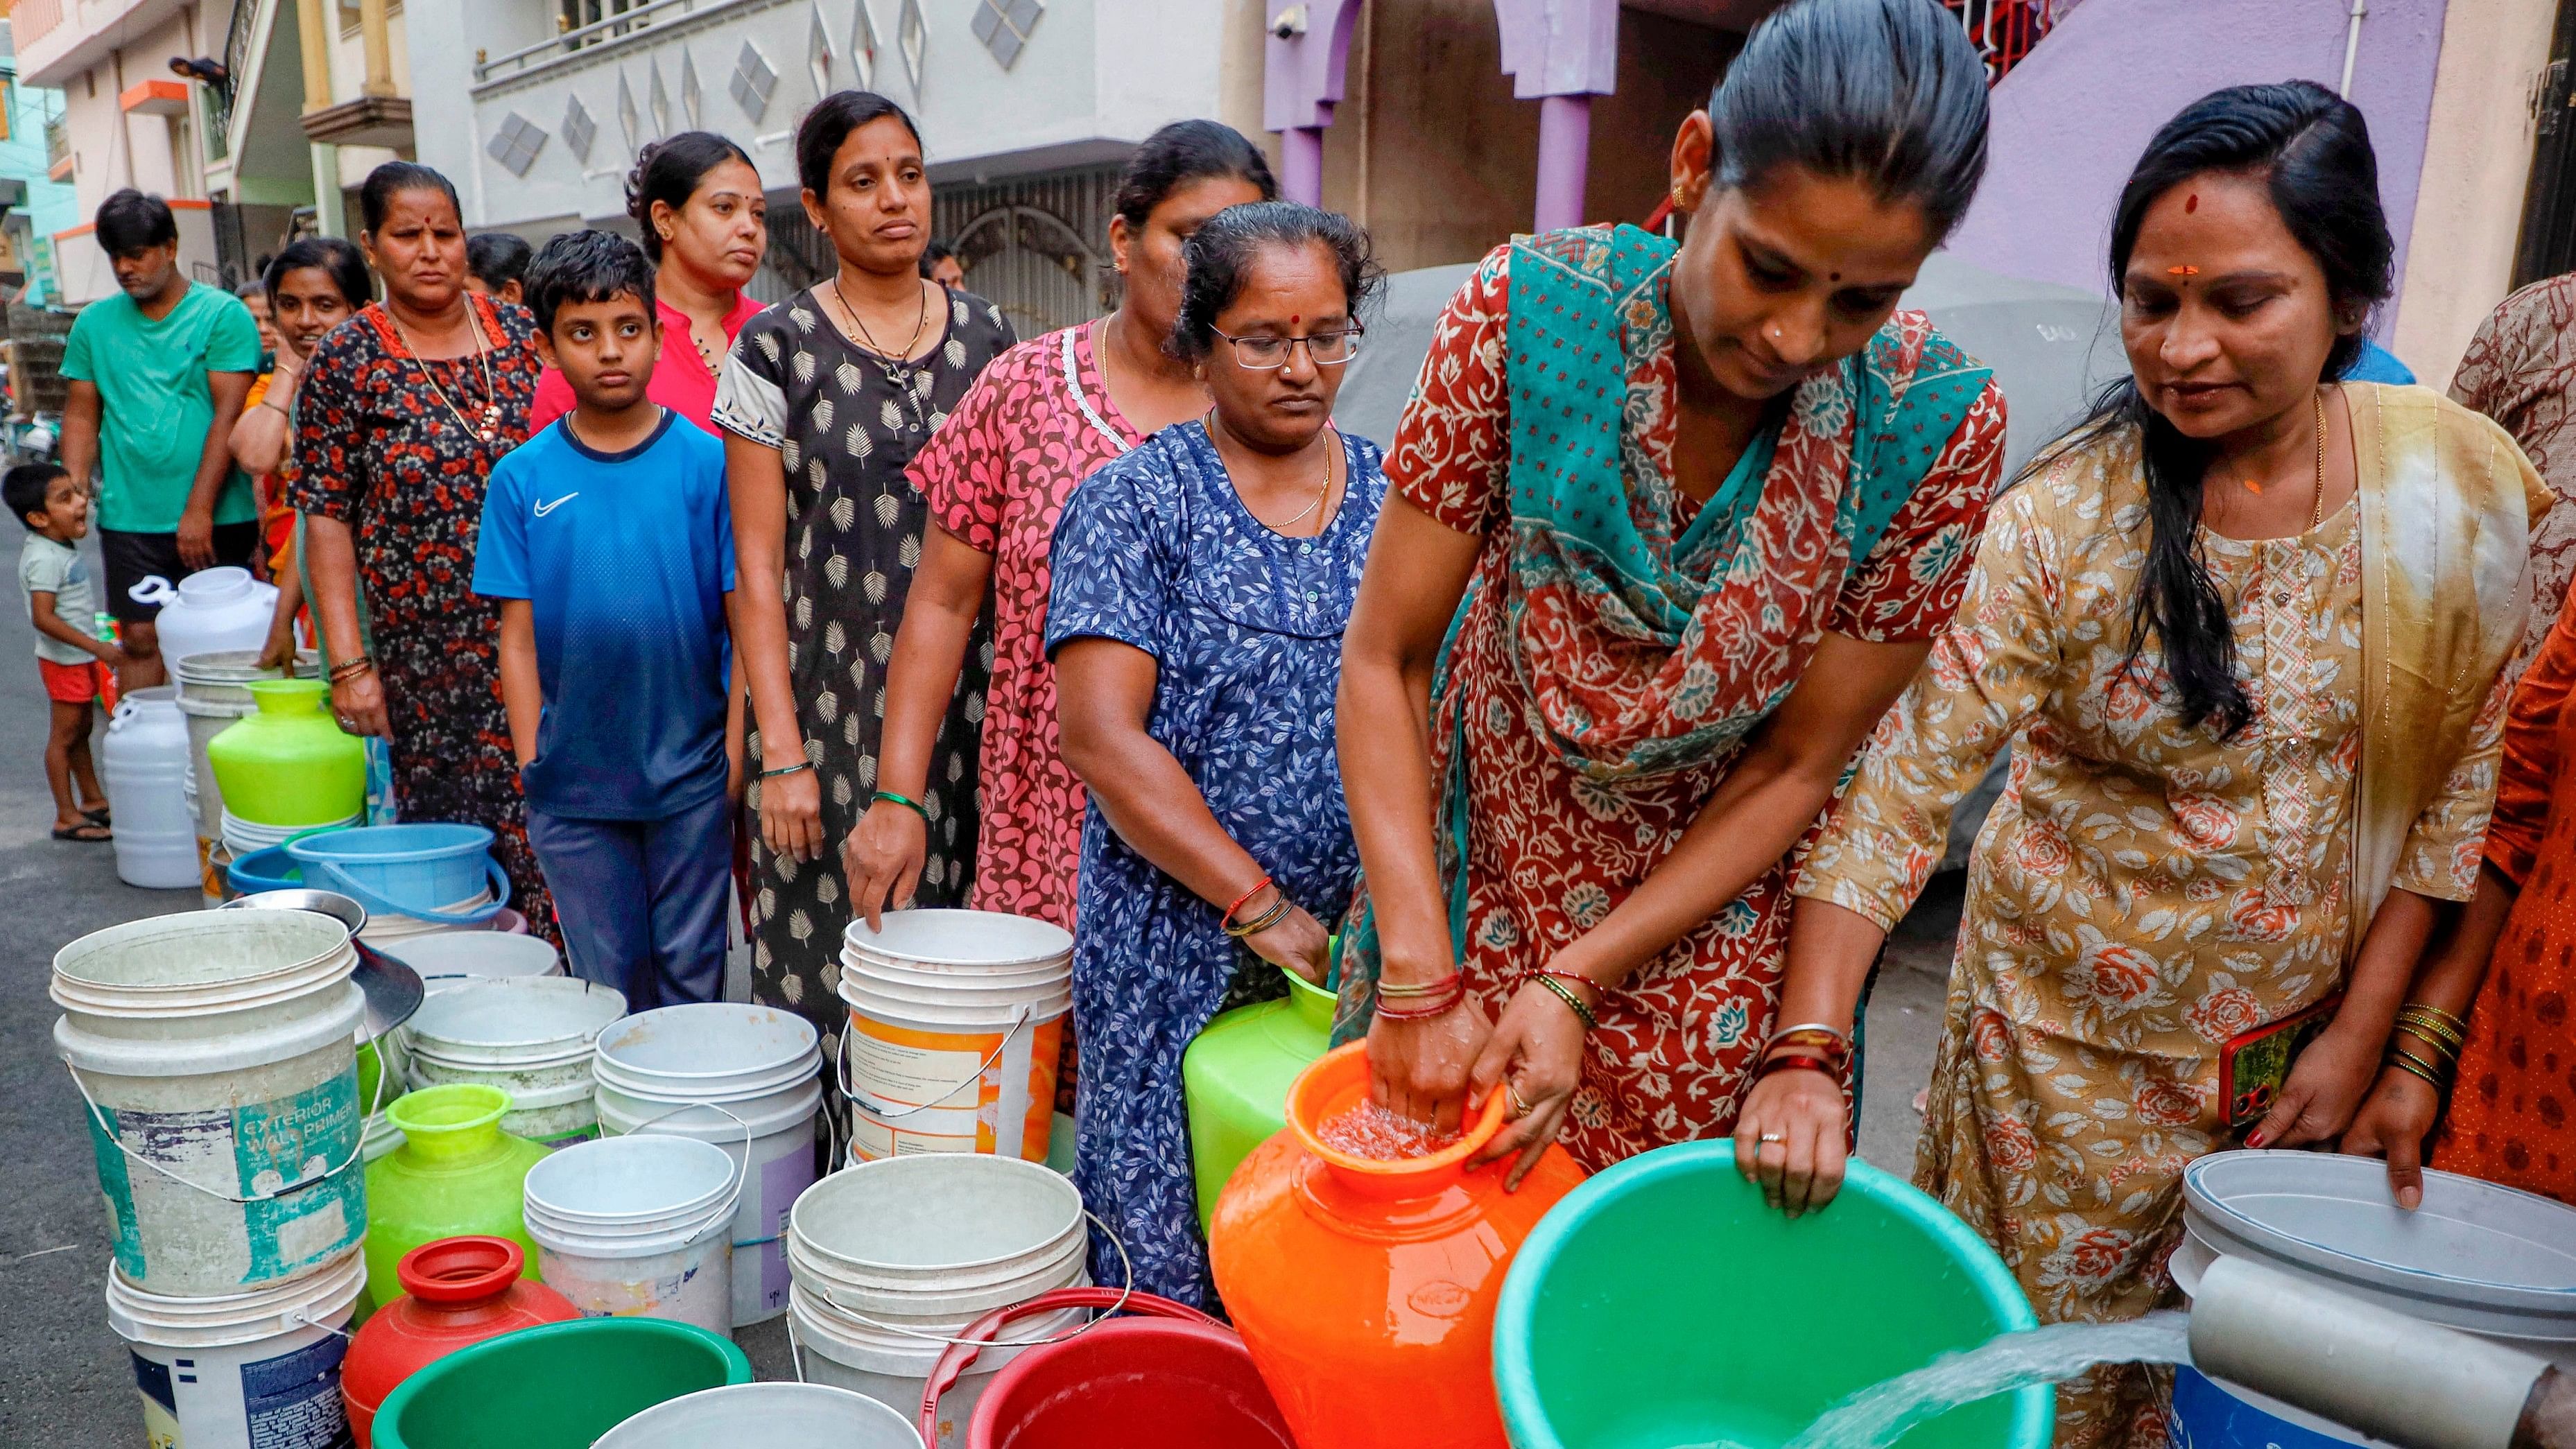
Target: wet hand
{"x": 1535, "y": 1057}
{"x": 1419, "y": 1069}
{"x": 1297, "y": 941}
{"x": 791, "y": 815}
{"x": 883, "y": 859}
{"x": 1790, "y": 1139}
{"x": 2324, "y": 1090}
{"x": 2394, "y": 1123}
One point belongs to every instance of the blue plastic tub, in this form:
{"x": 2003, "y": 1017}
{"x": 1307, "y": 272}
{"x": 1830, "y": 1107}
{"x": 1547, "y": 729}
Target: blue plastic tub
{"x": 264, "y": 870}
{"x": 418, "y": 870}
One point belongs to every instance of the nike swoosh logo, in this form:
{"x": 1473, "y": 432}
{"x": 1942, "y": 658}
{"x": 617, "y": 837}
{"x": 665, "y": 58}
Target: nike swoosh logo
{"x": 545, "y": 508}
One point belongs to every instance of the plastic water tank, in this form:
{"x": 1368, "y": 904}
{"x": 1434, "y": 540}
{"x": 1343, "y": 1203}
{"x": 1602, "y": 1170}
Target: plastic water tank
{"x": 211, "y": 609}
{"x": 145, "y": 763}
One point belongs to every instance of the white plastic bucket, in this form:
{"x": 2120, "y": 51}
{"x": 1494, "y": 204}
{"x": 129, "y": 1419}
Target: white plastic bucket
{"x": 214, "y": 690}
{"x": 386, "y": 928}
{"x": 789, "y": 1416}
{"x": 446, "y": 957}
{"x": 143, "y": 762}
{"x": 529, "y": 1036}
{"x": 2482, "y": 1258}
{"x": 835, "y": 1348}
{"x": 659, "y": 1071}
{"x": 638, "y": 1226}
{"x": 245, "y": 836}
{"x": 956, "y": 1032}
{"x": 217, "y": 1051}
{"x": 253, "y": 1368}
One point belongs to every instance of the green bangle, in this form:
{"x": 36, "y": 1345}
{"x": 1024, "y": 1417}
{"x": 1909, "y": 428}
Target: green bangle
{"x": 787, "y": 769}
{"x": 1574, "y": 1003}
{"x": 914, "y": 806}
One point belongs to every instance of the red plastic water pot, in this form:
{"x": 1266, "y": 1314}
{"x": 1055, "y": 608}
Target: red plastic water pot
{"x": 457, "y": 1292}
{"x": 1170, "y": 1378}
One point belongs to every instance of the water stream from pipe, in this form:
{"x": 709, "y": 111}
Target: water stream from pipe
{"x": 1883, "y": 1413}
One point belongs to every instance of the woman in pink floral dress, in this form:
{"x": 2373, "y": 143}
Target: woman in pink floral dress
{"x": 2246, "y": 635}
{"x": 1041, "y": 419}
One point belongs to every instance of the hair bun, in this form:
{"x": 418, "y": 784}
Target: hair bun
{"x": 638, "y": 205}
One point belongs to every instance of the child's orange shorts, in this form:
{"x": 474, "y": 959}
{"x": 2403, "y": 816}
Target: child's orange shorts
{"x": 72, "y": 683}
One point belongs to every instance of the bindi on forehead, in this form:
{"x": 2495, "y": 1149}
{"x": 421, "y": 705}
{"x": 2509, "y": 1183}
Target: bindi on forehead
{"x": 2182, "y": 271}
{"x": 2191, "y": 202}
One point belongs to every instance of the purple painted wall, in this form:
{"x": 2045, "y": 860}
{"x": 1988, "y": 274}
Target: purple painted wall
{"x": 2070, "y": 121}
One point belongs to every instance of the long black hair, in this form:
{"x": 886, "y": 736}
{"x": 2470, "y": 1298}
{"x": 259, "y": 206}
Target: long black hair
{"x": 1183, "y": 152}
{"x": 669, "y": 171}
{"x": 2312, "y": 151}
{"x": 1220, "y": 257}
{"x": 376, "y": 194}
{"x": 820, "y": 134}
{"x": 1889, "y": 92}
{"x": 336, "y": 258}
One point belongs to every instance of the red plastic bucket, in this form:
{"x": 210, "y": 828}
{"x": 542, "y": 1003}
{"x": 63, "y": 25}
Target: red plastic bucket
{"x": 1171, "y": 1378}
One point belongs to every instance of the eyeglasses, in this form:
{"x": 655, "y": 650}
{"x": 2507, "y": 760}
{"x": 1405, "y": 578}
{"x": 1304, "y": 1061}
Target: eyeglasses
{"x": 1324, "y": 349}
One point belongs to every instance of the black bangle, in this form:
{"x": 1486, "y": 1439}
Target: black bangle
{"x": 787, "y": 769}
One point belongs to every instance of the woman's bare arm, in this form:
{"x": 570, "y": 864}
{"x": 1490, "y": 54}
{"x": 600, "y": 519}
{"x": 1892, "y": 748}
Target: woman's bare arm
{"x": 791, "y": 805}
{"x": 885, "y": 851}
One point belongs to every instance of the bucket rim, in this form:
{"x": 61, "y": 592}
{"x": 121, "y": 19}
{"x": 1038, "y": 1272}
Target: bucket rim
{"x": 809, "y": 1041}
{"x": 806, "y": 1101}
{"x": 786, "y": 1079}
{"x": 848, "y": 1333}
{"x": 540, "y": 1341}
{"x": 330, "y": 936}
{"x": 2034, "y": 1407}
{"x": 1057, "y": 940}
{"x": 460, "y": 839}
{"x": 731, "y": 1402}
{"x": 538, "y": 1187}
{"x": 2201, "y": 1197}
{"x": 960, "y": 1303}
{"x": 840, "y": 1184}
{"x": 164, "y": 1057}
{"x": 465, "y": 994}
{"x": 329, "y": 1296}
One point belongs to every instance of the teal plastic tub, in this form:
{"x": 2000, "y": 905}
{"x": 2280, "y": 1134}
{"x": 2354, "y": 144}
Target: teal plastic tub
{"x": 1662, "y": 1304}
{"x": 557, "y": 1387}
{"x": 421, "y": 869}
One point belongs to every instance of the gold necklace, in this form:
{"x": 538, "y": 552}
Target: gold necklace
{"x": 1285, "y": 524}
{"x": 491, "y": 399}
{"x": 2317, "y": 501}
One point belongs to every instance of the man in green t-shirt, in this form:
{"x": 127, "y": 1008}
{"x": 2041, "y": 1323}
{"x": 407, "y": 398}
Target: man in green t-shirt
{"x": 158, "y": 376}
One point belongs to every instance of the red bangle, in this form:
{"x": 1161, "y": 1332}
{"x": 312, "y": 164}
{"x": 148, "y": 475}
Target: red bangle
{"x": 1436, "y": 1006}
{"x": 1786, "y": 1062}
{"x": 1243, "y": 900}
{"x": 1434, "y": 987}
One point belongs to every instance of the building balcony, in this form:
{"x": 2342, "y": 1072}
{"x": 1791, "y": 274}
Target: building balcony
{"x": 59, "y": 39}
{"x": 366, "y": 121}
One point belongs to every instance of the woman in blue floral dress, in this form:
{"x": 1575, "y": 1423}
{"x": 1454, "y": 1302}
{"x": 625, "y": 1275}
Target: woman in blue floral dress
{"x": 1202, "y": 583}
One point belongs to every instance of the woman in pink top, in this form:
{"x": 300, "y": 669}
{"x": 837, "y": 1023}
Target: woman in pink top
{"x": 706, "y": 226}
{"x": 1040, "y": 419}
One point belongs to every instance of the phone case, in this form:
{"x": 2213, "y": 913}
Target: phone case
{"x": 2253, "y": 1067}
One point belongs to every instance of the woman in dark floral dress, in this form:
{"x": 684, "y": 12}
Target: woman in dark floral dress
{"x": 403, "y": 410}
{"x": 826, "y": 397}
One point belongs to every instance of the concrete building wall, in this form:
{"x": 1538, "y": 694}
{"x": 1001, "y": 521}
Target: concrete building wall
{"x": 2070, "y": 121}
{"x": 2477, "y": 163}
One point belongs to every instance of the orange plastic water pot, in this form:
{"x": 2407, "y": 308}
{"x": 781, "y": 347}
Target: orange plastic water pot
{"x": 457, "y": 1292}
{"x": 1365, "y": 1290}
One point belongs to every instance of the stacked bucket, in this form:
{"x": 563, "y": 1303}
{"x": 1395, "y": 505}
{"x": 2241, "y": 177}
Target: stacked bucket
{"x": 936, "y": 988}
{"x": 215, "y": 1053}
{"x": 532, "y": 1037}
{"x": 892, "y": 1259}
{"x": 744, "y": 1078}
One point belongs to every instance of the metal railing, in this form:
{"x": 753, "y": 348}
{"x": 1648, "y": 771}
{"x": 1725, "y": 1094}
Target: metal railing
{"x": 33, "y": 20}
{"x": 581, "y": 37}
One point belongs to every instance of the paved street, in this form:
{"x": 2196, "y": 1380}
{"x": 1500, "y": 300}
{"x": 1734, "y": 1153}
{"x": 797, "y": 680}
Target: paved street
{"x": 64, "y": 1383}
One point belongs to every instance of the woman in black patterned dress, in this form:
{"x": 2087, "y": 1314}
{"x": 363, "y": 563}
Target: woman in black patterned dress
{"x": 825, "y": 398}
{"x": 402, "y": 412}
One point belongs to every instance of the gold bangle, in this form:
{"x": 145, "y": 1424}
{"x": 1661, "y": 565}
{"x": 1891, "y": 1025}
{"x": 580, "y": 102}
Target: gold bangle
{"x": 2435, "y": 1014}
{"x": 2425, "y": 1023}
{"x": 2438, "y": 1047}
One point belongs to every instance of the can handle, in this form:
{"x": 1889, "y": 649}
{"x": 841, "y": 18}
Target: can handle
{"x": 742, "y": 1176}
{"x": 963, "y": 1350}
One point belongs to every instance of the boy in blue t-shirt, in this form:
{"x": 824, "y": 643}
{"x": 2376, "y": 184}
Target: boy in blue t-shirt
{"x": 607, "y": 539}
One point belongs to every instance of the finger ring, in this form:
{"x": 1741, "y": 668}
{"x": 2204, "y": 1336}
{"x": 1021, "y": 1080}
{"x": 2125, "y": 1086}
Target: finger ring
{"x": 1512, "y": 1090}
{"x": 1769, "y": 1137}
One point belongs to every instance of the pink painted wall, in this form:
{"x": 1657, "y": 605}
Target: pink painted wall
{"x": 2070, "y": 121}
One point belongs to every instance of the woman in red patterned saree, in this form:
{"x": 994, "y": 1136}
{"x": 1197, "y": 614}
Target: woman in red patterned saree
{"x": 1705, "y": 506}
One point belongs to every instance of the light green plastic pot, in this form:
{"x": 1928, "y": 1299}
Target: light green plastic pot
{"x": 557, "y": 1387}
{"x": 288, "y": 762}
{"x": 456, "y": 1174}
{"x": 1235, "y": 1079}
{"x": 1663, "y": 1303}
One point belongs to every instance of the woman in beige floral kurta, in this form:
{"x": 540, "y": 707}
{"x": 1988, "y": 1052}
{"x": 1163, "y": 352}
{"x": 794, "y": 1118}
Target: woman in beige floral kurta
{"x": 2210, "y": 824}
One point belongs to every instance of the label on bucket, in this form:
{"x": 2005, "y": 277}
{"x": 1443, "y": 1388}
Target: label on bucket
{"x": 2210, "y": 1415}
{"x": 937, "y": 1101}
{"x": 782, "y": 1179}
{"x": 256, "y": 1148}
{"x": 293, "y": 1400}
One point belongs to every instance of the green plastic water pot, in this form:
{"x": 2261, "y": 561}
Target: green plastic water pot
{"x": 1663, "y": 1303}
{"x": 557, "y": 1387}
{"x": 457, "y": 1174}
{"x": 289, "y": 763}
{"x": 1235, "y": 1078}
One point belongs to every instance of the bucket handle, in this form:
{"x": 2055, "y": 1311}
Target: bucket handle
{"x": 107, "y": 1128}
{"x": 742, "y": 1177}
{"x": 841, "y": 1069}
{"x": 347, "y": 885}
{"x": 1113, "y": 1301}
{"x": 962, "y": 1352}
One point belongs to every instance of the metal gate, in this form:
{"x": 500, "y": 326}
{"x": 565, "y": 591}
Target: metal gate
{"x": 1038, "y": 246}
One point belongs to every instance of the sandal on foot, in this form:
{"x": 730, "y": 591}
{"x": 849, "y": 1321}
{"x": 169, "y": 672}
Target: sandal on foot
{"x": 88, "y": 832}
{"x": 97, "y": 815}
